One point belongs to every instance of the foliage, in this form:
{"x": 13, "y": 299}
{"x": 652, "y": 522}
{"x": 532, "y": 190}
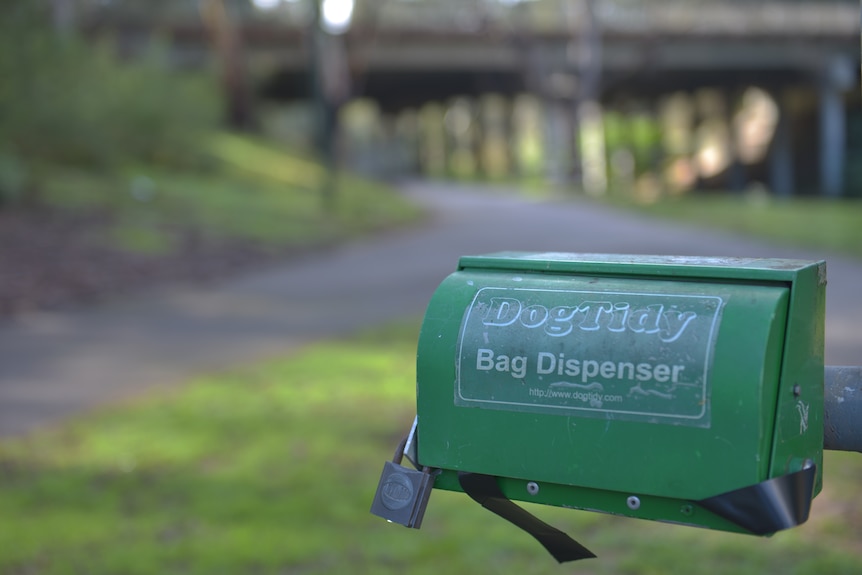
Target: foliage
{"x": 67, "y": 101}
{"x": 637, "y": 133}
{"x": 271, "y": 469}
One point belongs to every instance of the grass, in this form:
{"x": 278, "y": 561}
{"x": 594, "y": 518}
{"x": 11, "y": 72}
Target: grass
{"x": 814, "y": 223}
{"x": 250, "y": 189}
{"x": 270, "y": 469}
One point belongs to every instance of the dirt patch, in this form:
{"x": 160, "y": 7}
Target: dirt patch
{"x": 53, "y": 259}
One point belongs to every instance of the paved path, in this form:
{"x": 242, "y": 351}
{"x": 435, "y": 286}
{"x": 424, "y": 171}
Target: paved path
{"x": 53, "y": 365}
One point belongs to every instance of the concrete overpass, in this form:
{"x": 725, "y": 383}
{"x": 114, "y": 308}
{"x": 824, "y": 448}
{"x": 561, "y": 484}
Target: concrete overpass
{"x": 650, "y": 47}
{"x": 410, "y": 67}
{"x": 409, "y": 54}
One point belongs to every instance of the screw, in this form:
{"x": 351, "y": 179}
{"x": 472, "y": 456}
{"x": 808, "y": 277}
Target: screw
{"x": 633, "y": 502}
{"x": 532, "y": 488}
{"x": 686, "y": 509}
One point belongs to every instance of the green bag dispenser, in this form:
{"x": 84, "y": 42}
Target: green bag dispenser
{"x": 678, "y": 389}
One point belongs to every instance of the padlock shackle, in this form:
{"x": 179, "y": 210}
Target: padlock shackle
{"x": 398, "y": 457}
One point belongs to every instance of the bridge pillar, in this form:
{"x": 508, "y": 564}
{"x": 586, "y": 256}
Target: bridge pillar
{"x": 838, "y": 76}
{"x": 557, "y": 141}
{"x": 781, "y": 176}
{"x": 592, "y": 148}
{"x": 736, "y": 171}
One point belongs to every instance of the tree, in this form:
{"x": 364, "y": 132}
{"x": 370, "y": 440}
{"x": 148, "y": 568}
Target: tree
{"x": 226, "y": 37}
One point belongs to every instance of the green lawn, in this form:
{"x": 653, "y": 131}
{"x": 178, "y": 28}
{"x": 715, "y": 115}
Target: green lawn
{"x": 814, "y": 223}
{"x": 271, "y": 468}
{"x": 248, "y": 189}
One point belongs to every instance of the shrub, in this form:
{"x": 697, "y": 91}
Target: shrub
{"x": 70, "y": 102}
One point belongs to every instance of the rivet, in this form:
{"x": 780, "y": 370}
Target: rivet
{"x": 686, "y": 509}
{"x": 633, "y": 502}
{"x": 532, "y": 488}
{"x": 797, "y": 390}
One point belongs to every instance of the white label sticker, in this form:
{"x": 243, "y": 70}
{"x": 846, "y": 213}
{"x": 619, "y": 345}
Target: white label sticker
{"x": 624, "y": 355}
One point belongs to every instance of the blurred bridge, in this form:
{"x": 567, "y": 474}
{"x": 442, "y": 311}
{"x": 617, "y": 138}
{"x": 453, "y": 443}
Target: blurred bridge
{"x": 404, "y": 54}
{"x": 411, "y": 52}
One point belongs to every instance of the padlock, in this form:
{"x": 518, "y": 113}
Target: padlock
{"x": 402, "y": 494}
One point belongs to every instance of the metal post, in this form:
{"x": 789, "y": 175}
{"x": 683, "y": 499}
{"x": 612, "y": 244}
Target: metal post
{"x": 842, "y": 422}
